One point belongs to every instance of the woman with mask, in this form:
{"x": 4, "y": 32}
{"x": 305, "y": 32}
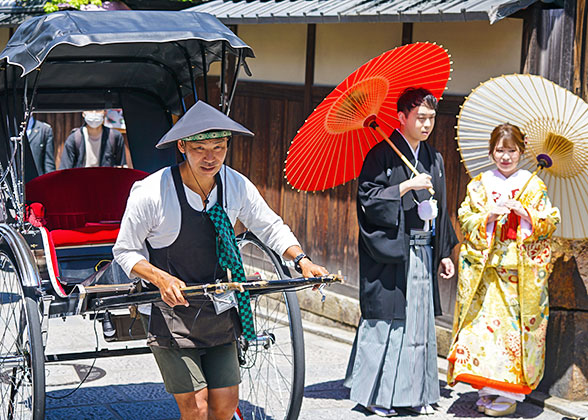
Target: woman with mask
{"x": 502, "y": 305}
{"x": 93, "y": 144}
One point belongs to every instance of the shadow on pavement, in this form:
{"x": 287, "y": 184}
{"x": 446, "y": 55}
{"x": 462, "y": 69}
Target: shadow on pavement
{"x": 327, "y": 389}
{"x": 331, "y": 390}
{"x": 113, "y": 402}
{"x": 465, "y": 406}
{"x": 461, "y": 404}
{"x": 445, "y": 390}
{"x": 361, "y": 409}
{"x": 140, "y": 401}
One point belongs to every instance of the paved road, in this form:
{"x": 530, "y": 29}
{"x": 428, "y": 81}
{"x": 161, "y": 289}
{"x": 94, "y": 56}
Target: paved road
{"x": 130, "y": 387}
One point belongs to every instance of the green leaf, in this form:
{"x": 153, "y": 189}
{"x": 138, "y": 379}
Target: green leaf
{"x": 54, "y": 5}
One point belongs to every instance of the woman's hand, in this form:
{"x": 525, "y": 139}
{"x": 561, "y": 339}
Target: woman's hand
{"x": 447, "y": 268}
{"x": 518, "y": 208}
{"x": 497, "y": 212}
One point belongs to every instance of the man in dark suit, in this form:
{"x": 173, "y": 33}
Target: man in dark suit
{"x": 40, "y": 136}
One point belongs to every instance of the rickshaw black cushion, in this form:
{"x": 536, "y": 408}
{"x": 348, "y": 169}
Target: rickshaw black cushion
{"x": 83, "y": 205}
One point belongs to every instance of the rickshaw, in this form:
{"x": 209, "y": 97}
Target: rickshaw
{"x": 57, "y": 230}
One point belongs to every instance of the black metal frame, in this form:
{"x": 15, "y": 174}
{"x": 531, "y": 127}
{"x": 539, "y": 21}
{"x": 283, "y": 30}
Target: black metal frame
{"x": 17, "y": 133}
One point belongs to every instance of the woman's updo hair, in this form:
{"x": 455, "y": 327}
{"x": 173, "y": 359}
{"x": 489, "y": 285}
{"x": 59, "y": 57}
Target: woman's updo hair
{"x": 511, "y": 134}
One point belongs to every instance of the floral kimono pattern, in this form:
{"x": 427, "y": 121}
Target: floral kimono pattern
{"x": 502, "y": 302}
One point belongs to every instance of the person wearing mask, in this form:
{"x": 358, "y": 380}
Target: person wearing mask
{"x": 93, "y": 144}
{"x": 40, "y": 136}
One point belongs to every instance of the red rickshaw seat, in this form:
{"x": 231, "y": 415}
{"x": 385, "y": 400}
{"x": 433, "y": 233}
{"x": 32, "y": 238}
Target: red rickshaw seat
{"x": 83, "y": 206}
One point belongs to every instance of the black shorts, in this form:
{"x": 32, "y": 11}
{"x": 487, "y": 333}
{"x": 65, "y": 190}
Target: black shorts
{"x": 189, "y": 370}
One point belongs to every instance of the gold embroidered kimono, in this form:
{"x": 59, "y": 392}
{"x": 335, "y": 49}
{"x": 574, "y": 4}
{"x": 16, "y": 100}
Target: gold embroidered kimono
{"x": 502, "y": 303}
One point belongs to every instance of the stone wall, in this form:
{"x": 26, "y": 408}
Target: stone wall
{"x": 566, "y": 361}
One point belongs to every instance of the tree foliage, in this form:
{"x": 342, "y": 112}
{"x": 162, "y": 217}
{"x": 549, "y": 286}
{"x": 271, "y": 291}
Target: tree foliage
{"x": 55, "y": 5}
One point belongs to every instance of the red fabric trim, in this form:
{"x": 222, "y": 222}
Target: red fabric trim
{"x": 53, "y": 255}
{"x": 104, "y": 234}
{"x": 36, "y": 214}
{"x": 480, "y": 382}
{"x": 509, "y": 229}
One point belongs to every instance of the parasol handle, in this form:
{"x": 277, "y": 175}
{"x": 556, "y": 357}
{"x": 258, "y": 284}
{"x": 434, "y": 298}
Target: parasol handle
{"x": 527, "y": 183}
{"x": 374, "y": 125}
{"x": 543, "y": 161}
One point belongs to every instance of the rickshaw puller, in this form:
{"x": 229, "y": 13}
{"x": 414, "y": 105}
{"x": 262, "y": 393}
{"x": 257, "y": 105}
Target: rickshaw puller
{"x": 168, "y": 237}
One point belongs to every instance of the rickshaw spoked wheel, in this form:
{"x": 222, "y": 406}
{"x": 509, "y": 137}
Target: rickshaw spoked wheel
{"x": 22, "y": 367}
{"x": 272, "y": 366}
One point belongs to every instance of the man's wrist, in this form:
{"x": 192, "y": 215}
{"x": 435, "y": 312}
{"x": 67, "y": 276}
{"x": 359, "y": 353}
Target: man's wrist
{"x": 298, "y": 259}
{"x": 404, "y": 187}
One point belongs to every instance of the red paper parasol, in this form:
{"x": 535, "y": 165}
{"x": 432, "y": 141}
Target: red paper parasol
{"x": 330, "y": 147}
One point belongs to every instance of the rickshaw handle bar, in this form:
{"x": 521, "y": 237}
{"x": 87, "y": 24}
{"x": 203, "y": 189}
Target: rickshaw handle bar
{"x": 254, "y": 287}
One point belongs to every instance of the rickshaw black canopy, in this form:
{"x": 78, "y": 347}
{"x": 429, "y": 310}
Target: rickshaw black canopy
{"x": 156, "y": 52}
{"x": 144, "y": 62}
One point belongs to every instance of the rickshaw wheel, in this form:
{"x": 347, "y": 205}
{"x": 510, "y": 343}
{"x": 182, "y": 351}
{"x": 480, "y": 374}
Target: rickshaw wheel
{"x": 272, "y": 366}
{"x": 22, "y": 371}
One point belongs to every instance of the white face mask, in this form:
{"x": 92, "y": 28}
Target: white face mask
{"x": 94, "y": 119}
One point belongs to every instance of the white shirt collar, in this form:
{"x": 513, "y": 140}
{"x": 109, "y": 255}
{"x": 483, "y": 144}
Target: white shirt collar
{"x": 415, "y": 153}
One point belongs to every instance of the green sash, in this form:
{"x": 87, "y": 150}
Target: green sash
{"x": 229, "y": 258}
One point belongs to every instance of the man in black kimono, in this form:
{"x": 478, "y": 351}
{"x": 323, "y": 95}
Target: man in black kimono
{"x": 394, "y": 357}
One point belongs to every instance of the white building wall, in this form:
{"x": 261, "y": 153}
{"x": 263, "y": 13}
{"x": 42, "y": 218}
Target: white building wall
{"x": 478, "y": 50}
{"x": 341, "y": 48}
{"x": 280, "y": 52}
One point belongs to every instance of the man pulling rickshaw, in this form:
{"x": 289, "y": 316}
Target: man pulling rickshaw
{"x": 177, "y": 230}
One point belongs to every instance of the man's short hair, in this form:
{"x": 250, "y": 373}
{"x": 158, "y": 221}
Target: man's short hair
{"x": 414, "y": 97}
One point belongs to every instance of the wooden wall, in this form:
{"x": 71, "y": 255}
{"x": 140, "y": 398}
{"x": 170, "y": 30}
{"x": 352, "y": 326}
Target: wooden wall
{"x": 552, "y": 47}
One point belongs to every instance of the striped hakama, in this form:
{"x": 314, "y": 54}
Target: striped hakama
{"x": 393, "y": 363}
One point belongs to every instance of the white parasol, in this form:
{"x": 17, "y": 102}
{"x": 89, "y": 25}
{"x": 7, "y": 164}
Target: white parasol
{"x": 555, "y": 122}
